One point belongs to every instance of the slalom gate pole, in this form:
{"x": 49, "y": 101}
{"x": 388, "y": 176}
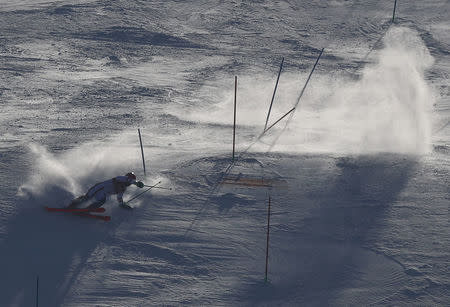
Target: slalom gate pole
{"x": 287, "y": 113}
{"x": 230, "y": 166}
{"x": 309, "y": 77}
{"x": 299, "y": 97}
{"x": 267, "y": 241}
{"x": 234, "y": 120}
{"x": 274, "y": 91}
{"x": 37, "y": 291}
{"x": 142, "y": 151}
{"x": 162, "y": 188}
{"x": 151, "y": 187}
{"x": 393, "y": 14}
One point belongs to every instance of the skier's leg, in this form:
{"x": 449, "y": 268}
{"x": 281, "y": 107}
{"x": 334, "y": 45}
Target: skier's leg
{"x": 77, "y": 201}
{"x": 97, "y": 204}
{"x": 100, "y": 198}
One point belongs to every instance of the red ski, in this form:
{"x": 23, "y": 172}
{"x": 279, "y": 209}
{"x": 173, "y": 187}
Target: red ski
{"x": 74, "y": 209}
{"x": 95, "y": 216}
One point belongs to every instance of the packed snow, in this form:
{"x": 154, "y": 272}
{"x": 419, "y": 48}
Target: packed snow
{"x": 358, "y": 175}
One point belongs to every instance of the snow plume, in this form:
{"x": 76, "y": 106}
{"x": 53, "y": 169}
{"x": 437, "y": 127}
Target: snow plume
{"x": 387, "y": 109}
{"x": 48, "y": 171}
{"x": 254, "y": 94}
{"x": 75, "y": 170}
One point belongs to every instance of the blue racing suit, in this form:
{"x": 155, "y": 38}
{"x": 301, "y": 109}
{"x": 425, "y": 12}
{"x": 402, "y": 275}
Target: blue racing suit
{"x": 102, "y": 190}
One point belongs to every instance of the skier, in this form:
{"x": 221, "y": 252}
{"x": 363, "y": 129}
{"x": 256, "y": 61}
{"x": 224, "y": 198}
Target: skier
{"x": 100, "y": 191}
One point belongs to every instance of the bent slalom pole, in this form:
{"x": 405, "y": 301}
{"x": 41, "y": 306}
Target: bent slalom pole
{"x": 151, "y": 187}
{"x": 274, "y": 92}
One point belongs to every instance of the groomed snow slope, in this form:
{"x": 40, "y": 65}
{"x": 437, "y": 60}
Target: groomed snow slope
{"x": 360, "y": 174}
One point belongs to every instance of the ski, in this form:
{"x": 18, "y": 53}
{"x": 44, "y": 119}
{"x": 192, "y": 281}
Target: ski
{"x": 74, "y": 209}
{"x": 95, "y": 216}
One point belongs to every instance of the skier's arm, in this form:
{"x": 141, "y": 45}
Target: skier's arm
{"x": 122, "y": 203}
{"x": 120, "y": 198}
{"x": 139, "y": 184}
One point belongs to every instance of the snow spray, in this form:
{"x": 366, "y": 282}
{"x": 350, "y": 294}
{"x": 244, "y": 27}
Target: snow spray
{"x": 387, "y": 109}
{"x": 76, "y": 169}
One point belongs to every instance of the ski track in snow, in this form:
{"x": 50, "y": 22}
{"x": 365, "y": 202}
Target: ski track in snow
{"x": 348, "y": 227}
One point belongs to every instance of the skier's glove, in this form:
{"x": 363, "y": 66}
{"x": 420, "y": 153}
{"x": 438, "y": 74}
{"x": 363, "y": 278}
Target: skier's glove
{"x": 140, "y": 184}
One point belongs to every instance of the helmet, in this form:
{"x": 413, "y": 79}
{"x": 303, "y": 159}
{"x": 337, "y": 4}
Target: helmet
{"x": 131, "y": 175}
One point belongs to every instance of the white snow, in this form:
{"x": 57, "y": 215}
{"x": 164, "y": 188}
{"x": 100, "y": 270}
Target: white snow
{"x": 360, "y": 173}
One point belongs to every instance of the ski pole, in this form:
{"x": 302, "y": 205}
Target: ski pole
{"x": 151, "y": 187}
{"x": 164, "y": 188}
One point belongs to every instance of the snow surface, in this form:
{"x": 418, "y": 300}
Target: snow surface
{"x": 360, "y": 172}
